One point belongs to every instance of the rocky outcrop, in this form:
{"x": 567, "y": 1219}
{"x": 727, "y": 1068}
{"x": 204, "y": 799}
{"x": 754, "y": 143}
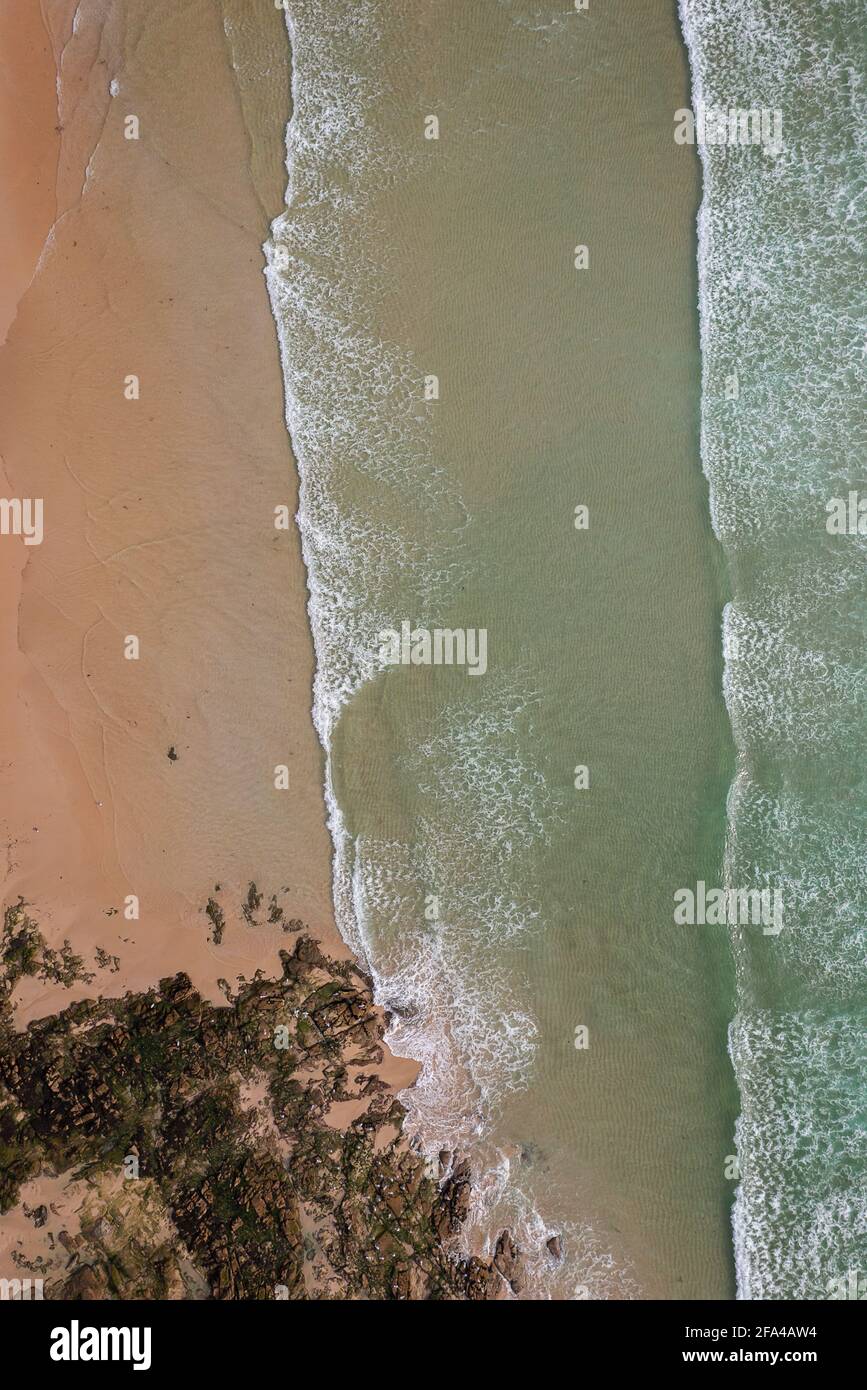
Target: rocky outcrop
{"x": 213, "y": 1162}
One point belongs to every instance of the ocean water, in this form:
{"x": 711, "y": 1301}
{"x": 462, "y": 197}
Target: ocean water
{"x": 502, "y": 909}
{"x": 782, "y": 301}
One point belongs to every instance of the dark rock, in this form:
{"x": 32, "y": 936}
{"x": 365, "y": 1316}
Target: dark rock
{"x": 159, "y": 1075}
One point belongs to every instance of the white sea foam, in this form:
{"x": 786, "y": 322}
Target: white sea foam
{"x": 456, "y": 1004}
{"x": 781, "y": 315}
{"x": 800, "y": 1219}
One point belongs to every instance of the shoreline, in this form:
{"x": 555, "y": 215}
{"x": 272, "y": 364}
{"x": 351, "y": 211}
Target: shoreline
{"x": 102, "y": 829}
{"x": 164, "y": 1148}
{"x": 109, "y": 825}
{"x": 696, "y": 98}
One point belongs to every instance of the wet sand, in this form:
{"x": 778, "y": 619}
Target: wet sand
{"x": 29, "y": 148}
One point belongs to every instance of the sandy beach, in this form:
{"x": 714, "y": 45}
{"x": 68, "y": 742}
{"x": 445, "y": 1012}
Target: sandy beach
{"x": 159, "y": 509}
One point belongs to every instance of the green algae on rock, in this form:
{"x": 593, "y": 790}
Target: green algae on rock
{"x": 209, "y": 1146}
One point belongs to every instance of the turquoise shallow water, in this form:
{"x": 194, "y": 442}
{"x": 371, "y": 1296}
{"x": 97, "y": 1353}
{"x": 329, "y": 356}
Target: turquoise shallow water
{"x": 781, "y": 241}
{"x": 508, "y": 915}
